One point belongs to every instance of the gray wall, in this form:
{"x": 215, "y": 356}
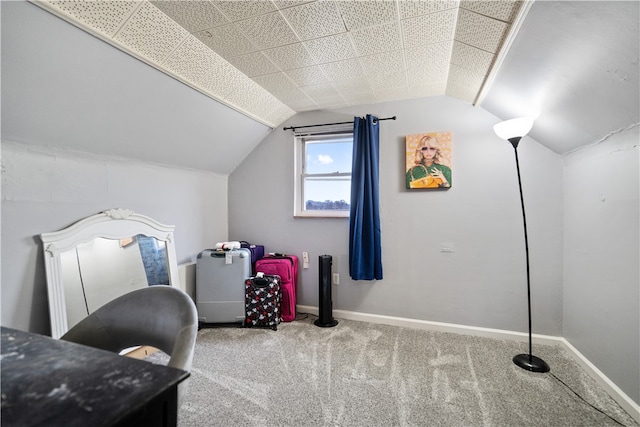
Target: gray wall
{"x": 601, "y": 251}
{"x": 483, "y": 282}
{"x": 45, "y": 190}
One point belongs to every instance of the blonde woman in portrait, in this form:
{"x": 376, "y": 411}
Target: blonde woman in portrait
{"x": 428, "y": 172}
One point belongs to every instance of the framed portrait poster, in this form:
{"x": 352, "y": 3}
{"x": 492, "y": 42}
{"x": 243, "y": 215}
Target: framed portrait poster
{"x": 428, "y": 162}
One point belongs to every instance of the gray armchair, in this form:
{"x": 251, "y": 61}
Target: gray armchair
{"x": 160, "y": 316}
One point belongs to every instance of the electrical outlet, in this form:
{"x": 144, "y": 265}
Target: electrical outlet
{"x": 336, "y": 279}
{"x": 305, "y": 259}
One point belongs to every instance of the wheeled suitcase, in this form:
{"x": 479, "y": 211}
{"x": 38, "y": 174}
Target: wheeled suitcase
{"x": 262, "y": 301}
{"x": 285, "y": 266}
{"x": 220, "y": 277}
{"x": 257, "y": 252}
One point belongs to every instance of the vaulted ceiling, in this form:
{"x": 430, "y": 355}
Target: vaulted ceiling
{"x": 271, "y": 59}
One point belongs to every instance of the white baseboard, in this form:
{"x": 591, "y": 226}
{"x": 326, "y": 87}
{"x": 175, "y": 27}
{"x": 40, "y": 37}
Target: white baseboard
{"x": 613, "y": 390}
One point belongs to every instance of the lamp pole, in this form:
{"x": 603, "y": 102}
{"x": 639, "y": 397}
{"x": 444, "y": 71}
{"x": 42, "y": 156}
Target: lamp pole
{"x": 526, "y": 361}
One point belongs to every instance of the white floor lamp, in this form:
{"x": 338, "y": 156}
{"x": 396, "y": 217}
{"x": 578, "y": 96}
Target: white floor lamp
{"x": 513, "y": 131}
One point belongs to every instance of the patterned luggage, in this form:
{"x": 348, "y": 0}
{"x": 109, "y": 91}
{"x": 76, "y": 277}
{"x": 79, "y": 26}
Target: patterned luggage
{"x": 285, "y": 266}
{"x": 262, "y": 301}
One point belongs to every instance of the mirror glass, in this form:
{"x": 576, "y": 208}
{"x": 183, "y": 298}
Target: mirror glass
{"x": 102, "y": 257}
{"x": 100, "y": 270}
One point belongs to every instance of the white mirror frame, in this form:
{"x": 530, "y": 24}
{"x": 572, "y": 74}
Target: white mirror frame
{"x": 111, "y": 224}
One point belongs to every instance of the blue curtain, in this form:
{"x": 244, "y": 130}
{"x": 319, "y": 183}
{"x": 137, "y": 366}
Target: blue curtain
{"x": 365, "y": 249}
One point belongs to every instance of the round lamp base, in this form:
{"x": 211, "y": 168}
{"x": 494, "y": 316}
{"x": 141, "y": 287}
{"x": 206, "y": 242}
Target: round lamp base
{"x": 531, "y": 363}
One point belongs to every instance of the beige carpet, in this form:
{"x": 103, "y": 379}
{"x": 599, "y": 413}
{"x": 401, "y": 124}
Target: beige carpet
{"x": 362, "y": 374}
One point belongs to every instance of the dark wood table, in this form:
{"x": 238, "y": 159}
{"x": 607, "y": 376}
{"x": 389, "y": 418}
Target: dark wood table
{"x": 48, "y": 382}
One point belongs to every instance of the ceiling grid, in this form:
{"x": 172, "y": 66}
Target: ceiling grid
{"x": 270, "y": 59}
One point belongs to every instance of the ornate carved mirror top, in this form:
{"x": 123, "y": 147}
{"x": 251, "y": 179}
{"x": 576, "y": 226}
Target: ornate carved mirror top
{"x": 102, "y": 257}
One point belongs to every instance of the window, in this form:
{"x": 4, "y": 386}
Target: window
{"x": 323, "y": 174}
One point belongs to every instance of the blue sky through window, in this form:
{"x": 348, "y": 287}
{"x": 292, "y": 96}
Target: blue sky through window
{"x": 329, "y": 156}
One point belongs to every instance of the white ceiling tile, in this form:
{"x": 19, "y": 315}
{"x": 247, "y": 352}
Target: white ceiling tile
{"x": 307, "y": 76}
{"x": 342, "y": 70}
{"x": 290, "y": 56}
{"x": 151, "y": 33}
{"x": 227, "y": 41}
{"x": 430, "y": 55}
{"x": 412, "y": 8}
{"x": 471, "y": 58}
{"x": 294, "y": 96}
{"x": 104, "y": 16}
{"x": 430, "y": 89}
{"x": 276, "y": 82}
{"x": 267, "y": 31}
{"x": 357, "y": 98}
{"x": 427, "y": 75}
{"x": 193, "y": 15}
{"x": 428, "y": 29}
{"x": 465, "y": 78}
{"x": 283, "y": 4}
{"x": 393, "y": 94}
{"x": 391, "y": 80}
{"x": 504, "y": 10}
{"x": 377, "y": 39}
{"x": 353, "y": 86}
{"x": 460, "y": 92}
{"x": 237, "y": 10}
{"x": 331, "y": 48}
{"x": 361, "y": 14}
{"x": 480, "y": 31}
{"x": 323, "y": 94}
{"x": 383, "y": 62}
{"x": 315, "y": 20}
{"x": 253, "y": 64}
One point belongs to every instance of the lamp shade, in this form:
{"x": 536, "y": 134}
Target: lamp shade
{"x": 513, "y": 128}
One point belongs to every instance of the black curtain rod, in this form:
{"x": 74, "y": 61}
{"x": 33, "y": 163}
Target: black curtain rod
{"x": 329, "y": 124}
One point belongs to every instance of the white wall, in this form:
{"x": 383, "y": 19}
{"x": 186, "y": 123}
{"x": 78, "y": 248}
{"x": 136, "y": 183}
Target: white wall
{"x": 483, "y": 282}
{"x": 45, "y": 190}
{"x": 602, "y": 253}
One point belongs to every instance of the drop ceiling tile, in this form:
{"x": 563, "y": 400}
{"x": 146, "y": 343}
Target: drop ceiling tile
{"x": 227, "y": 41}
{"x": 290, "y": 56}
{"x": 342, "y": 70}
{"x": 238, "y": 10}
{"x": 267, "y": 31}
{"x": 479, "y": 31}
{"x": 331, "y": 48}
{"x": 276, "y": 82}
{"x": 105, "y": 17}
{"x": 283, "y": 4}
{"x": 151, "y": 34}
{"x": 393, "y": 94}
{"x": 254, "y": 64}
{"x": 461, "y": 93}
{"x": 426, "y": 56}
{"x": 193, "y": 62}
{"x": 465, "y": 78}
{"x": 358, "y": 98}
{"x": 383, "y": 62}
{"x": 410, "y": 9}
{"x": 295, "y": 99}
{"x": 504, "y": 10}
{"x": 469, "y": 57}
{"x": 323, "y": 94}
{"x": 361, "y": 14}
{"x": 315, "y": 20}
{"x": 391, "y": 80}
{"x": 428, "y": 29}
{"x": 430, "y": 89}
{"x": 426, "y": 75}
{"x": 193, "y": 15}
{"x": 377, "y": 39}
{"x": 353, "y": 86}
{"x": 307, "y": 76}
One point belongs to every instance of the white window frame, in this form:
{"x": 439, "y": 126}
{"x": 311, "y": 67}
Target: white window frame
{"x": 299, "y": 210}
